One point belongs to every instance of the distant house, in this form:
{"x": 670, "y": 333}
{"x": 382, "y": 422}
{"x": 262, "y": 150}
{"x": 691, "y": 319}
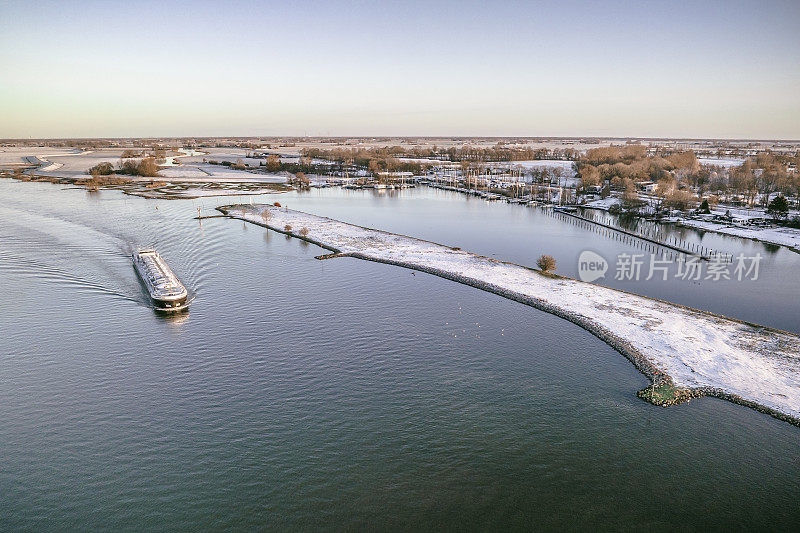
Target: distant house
{"x": 647, "y": 186}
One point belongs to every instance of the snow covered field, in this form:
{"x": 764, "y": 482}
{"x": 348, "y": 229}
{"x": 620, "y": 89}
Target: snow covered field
{"x": 425, "y": 160}
{"x": 603, "y": 203}
{"x": 66, "y": 162}
{"x": 721, "y": 162}
{"x": 189, "y": 168}
{"x": 566, "y": 166}
{"x": 709, "y": 354}
{"x": 204, "y": 172}
{"x": 21, "y": 155}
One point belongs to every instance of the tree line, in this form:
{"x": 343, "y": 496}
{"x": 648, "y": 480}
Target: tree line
{"x": 144, "y": 167}
{"x": 499, "y": 152}
{"x": 680, "y": 175}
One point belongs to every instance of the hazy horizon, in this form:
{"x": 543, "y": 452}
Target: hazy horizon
{"x": 431, "y": 137}
{"x": 722, "y": 70}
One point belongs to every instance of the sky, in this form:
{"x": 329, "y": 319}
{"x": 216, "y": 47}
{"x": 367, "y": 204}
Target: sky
{"x": 418, "y": 68}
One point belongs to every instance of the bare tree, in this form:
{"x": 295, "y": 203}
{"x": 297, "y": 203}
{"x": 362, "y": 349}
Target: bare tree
{"x": 546, "y": 263}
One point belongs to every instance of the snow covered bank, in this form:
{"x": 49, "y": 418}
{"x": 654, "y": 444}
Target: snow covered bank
{"x": 42, "y": 163}
{"x": 21, "y": 155}
{"x": 603, "y": 204}
{"x": 197, "y": 173}
{"x": 789, "y": 237}
{"x": 704, "y": 354}
{"x": 75, "y": 164}
{"x": 172, "y": 182}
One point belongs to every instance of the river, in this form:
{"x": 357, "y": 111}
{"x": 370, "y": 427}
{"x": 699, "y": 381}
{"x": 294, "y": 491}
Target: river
{"x": 336, "y": 394}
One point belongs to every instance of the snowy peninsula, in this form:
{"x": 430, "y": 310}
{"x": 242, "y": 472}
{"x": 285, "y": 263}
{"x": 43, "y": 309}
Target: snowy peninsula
{"x": 686, "y": 352}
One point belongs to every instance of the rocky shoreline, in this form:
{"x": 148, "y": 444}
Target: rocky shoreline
{"x": 637, "y": 358}
{"x": 664, "y": 391}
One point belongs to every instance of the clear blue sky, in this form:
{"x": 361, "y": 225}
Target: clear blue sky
{"x": 691, "y": 69}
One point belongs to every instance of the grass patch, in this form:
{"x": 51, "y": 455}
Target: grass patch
{"x": 665, "y": 394}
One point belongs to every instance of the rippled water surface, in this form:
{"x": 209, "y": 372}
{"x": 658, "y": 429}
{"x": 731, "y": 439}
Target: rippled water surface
{"x": 299, "y": 393}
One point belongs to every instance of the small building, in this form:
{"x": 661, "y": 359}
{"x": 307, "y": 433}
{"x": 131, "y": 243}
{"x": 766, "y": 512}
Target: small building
{"x": 647, "y": 186}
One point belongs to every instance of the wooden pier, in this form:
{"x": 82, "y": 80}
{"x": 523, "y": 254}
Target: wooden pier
{"x": 704, "y": 253}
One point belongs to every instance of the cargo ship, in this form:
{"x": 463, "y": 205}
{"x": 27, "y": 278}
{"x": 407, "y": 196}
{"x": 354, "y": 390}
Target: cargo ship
{"x": 167, "y": 293}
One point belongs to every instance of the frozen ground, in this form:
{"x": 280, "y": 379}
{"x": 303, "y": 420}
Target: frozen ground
{"x": 21, "y": 155}
{"x": 176, "y": 179}
{"x": 184, "y": 190}
{"x": 603, "y": 203}
{"x": 566, "y": 166}
{"x": 789, "y": 237}
{"x": 721, "y": 161}
{"x": 69, "y": 163}
{"x": 203, "y": 172}
{"x": 222, "y": 154}
{"x": 745, "y": 213}
{"x": 59, "y": 162}
{"x": 425, "y": 160}
{"x": 707, "y": 353}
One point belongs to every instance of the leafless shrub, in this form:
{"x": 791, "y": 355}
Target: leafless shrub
{"x": 303, "y": 231}
{"x": 287, "y": 227}
{"x": 273, "y": 163}
{"x": 680, "y": 199}
{"x": 102, "y": 169}
{"x": 146, "y": 167}
{"x": 546, "y": 263}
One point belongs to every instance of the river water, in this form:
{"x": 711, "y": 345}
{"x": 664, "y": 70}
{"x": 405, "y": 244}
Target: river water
{"x": 335, "y": 394}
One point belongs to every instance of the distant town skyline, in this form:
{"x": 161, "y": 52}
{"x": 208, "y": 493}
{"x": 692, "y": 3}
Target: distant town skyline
{"x": 649, "y": 69}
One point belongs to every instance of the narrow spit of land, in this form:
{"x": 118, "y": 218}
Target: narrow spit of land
{"x": 687, "y": 353}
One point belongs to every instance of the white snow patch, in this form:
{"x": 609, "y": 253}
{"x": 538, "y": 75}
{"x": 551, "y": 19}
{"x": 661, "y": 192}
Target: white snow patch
{"x": 537, "y": 163}
{"x": 783, "y": 236}
{"x": 721, "y": 162}
{"x": 603, "y": 203}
